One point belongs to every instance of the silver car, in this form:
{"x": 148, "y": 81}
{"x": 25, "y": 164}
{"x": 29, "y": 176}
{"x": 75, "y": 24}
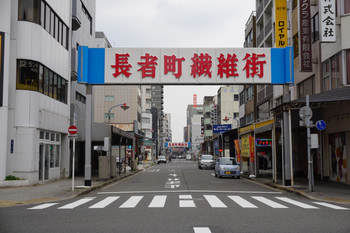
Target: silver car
{"x": 206, "y": 161}
{"x": 227, "y": 166}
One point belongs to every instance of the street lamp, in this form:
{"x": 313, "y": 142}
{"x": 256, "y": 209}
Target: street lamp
{"x": 124, "y": 107}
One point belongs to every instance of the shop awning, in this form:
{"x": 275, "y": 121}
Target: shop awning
{"x": 257, "y": 127}
{"x": 317, "y": 100}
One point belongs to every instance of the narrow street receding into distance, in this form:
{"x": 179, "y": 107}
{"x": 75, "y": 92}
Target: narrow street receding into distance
{"x": 179, "y": 197}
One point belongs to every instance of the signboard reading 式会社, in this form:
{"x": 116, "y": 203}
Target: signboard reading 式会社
{"x": 185, "y": 66}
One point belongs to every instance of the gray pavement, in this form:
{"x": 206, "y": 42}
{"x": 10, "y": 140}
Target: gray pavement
{"x": 62, "y": 189}
{"x": 323, "y": 190}
{"x": 56, "y": 190}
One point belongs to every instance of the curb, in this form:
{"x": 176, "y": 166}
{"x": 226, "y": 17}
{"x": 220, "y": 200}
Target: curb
{"x": 297, "y": 192}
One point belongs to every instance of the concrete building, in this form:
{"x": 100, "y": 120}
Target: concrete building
{"x": 35, "y": 89}
{"x": 195, "y": 136}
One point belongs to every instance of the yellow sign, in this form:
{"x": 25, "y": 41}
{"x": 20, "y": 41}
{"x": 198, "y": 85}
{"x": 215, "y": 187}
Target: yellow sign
{"x": 245, "y": 150}
{"x": 237, "y": 150}
{"x": 281, "y": 23}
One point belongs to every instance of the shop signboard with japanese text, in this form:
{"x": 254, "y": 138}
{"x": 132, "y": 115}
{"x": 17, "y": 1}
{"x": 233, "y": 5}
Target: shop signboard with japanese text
{"x": 185, "y": 66}
{"x": 281, "y": 23}
{"x": 305, "y": 50}
{"x": 328, "y": 24}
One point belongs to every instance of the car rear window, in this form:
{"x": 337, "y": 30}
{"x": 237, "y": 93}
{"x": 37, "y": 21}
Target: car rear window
{"x": 228, "y": 161}
{"x": 207, "y": 157}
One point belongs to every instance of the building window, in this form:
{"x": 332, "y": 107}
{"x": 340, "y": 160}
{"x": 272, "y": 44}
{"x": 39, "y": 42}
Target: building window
{"x": 306, "y": 87}
{"x": 80, "y": 97}
{"x": 332, "y": 72}
{"x": 109, "y": 98}
{"x": 40, "y": 12}
{"x": 236, "y": 97}
{"x": 88, "y": 16}
{"x": 52, "y": 142}
{"x": 346, "y": 6}
{"x": 315, "y": 28}
{"x": 29, "y": 10}
{"x": 32, "y": 75}
{"x": 27, "y": 75}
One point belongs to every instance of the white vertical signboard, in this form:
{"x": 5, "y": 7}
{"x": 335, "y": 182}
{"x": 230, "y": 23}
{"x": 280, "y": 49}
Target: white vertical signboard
{"x": 327, "y": 21}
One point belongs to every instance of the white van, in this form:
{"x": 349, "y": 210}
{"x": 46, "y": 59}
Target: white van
{"x": 188, "y": 157}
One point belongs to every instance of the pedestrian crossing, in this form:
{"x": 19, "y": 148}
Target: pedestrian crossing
{"x": 188, "y": 201}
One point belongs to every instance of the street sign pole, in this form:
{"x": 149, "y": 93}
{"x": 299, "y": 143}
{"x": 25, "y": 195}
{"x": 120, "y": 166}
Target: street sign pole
{"x": 310, "y": 163}
{"x": 73, "y": 163}
{"x": 72, "y": 130}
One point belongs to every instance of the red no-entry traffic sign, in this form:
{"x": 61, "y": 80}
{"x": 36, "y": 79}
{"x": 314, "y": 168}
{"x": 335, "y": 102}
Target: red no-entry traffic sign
{"x": 72, "y": 130}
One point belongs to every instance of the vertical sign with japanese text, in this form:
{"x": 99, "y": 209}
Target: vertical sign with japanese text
{"x": 327, "y": 13}
{"x": 2, "y": 40}
{"x": 251, "y": 147}
{"x": 281, "y": 23}
{"x": 305, "y": 54}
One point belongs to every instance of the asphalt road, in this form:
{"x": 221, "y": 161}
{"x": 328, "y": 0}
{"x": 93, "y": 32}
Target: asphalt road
{"x": 178, "y": 197}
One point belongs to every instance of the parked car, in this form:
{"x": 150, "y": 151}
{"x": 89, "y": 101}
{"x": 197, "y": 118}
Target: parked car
{"x": 227, "y": 167}
{"x": 206, "y": 161}
{"x": 188, "y": 157}
{"x": 161, "y": 159}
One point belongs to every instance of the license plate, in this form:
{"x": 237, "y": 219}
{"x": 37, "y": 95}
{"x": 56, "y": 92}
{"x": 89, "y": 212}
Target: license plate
{"x": 227, "y": 173}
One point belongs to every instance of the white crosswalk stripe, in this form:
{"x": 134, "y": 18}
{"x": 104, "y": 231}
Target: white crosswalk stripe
{"x": 270, "y": 203}
{"x": 331, "y": 206}
{"x": 242, "y": 202}
{"x": 43, "y": 206}
{"x": 158, "y": 201}
{"x": 214, "y": 201}
{"x": 131, "y": 202}
{"x": 201, "y": 230}
{"x": 297, "y": 203}
{"x": 105, "y": 202}
{"x": 187, "y": 201}
{"x": 77, "y": 203}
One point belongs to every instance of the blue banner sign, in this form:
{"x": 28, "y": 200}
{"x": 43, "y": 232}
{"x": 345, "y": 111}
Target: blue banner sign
{"x": 221, "y": 128}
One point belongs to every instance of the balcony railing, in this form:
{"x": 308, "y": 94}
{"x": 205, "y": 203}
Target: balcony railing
{"x": 259, "y": 10}
{"x": 260, "y": 38}
{"x": 268, "y": 26}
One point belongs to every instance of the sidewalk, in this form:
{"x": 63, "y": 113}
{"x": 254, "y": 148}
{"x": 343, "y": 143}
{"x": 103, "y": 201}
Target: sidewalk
{"x": 323, "y": 190}
{"x": 56, "y": 190}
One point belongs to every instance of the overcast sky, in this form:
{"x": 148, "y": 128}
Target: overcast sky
{"x": 175, "y": 24}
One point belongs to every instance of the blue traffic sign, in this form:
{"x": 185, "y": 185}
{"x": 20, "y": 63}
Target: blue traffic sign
{"x": 321, "y": 125}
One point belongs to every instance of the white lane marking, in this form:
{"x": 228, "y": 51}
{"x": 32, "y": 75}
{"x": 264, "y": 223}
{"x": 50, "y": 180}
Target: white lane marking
{"x": 158, "y": 170}
{"x": 158, "y": 201}
{"x": 331, "y": 206}
{"x": 191, "y": 191}
{"x": 297, "y": 203}
{"x": 242, "y": 202}
{"x": 77, "y": 203}
{"x": 187, "y": 203}
{"x": 201, "y": 230}
{"x": 212, "y": 174}
{"x": 185, "y": 197}
{"x": 269, "y": 202}
{"x": 214, "y": 201}
{"x": 105, "y": 202}
{"x": 42, "y": 206}
{"x": 131, "y": 202}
